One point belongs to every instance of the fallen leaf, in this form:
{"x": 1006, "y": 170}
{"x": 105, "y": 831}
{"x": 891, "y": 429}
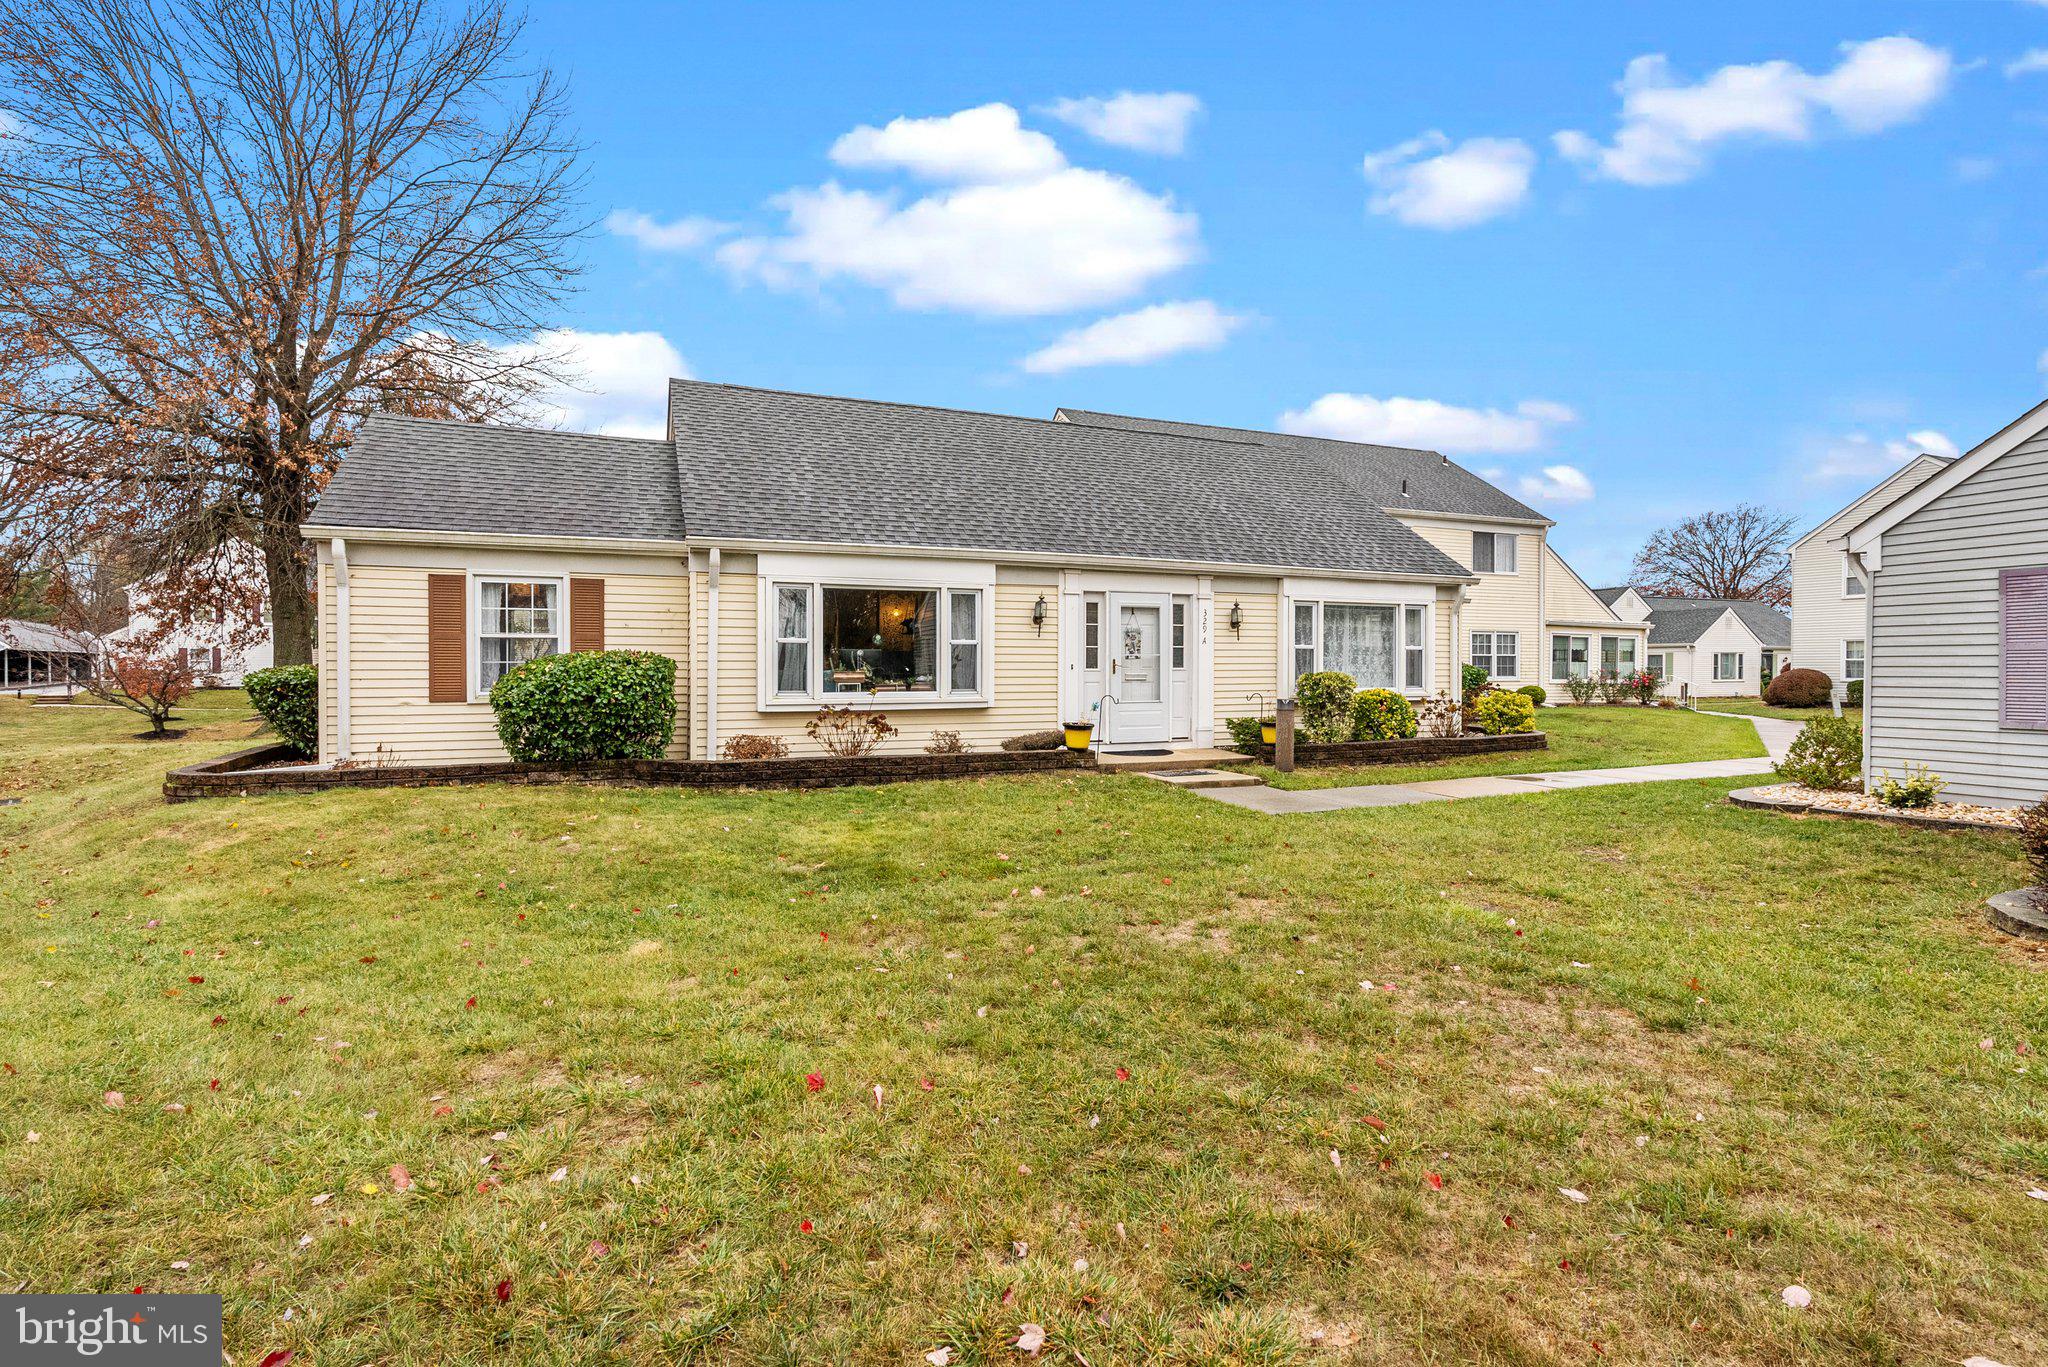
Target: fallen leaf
{"x": 814, "y": 1082}
{"x": 1030, "y": 1339}
{"x": 115, "y": 1101}
{"x": 1376, "y": 1122}
{"x": 805, "y": 1227}
{"x": 1573, "y": 1194}
{"x": 323, "y": 1198}
{"x": 939, "y": 1357}
{"x": 559, "y": 1174}
{"x": 1435, "y": 1180}
{"x": 1123, "y": 1075}
{"x": 401, "y": 1180}
{"x": 1796, "y": 1296}
{"x": 277, "y": 1359}
{"x": 1336, "y": 1160}
{"x": 504, "y": 1291}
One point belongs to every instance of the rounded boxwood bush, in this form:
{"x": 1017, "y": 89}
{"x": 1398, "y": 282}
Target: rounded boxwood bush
{"x": 1381, "y": 714}
{"x": 1826, "y": 754}
{"x": 1798, "y": 688}
{"x": 597, "y": 704}
{"x": 288, "y": 697}
{"x": 1535, "y": 693}
{"x": 1324, "y": 698}
{"x": 1499, "y": 713}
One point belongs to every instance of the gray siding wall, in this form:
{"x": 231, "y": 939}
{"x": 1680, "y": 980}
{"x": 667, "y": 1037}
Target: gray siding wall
{"x": 1932, "y": 695}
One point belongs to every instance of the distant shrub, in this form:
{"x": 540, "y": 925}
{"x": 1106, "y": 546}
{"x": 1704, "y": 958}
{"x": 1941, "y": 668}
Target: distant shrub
{"x": 754, "y": 747}
{"x": 1855, "y": 698}
{"x": 1613, "y": 687}
{"x": 1381, "y": 714}
{"x": 1498, "y": 714}
{"x": 288, "y": 697}
{"x": 1826, "y": 754}
{"x": 1582, "y": 687}
{"x": 595, "y": 704}
{"x": 1916, "y": 788}
{"x": 1472, "y": 679}
{"x": 1535, "y": 693}
{"x": 848, "y": 733}
{"x": 1324, "y": 700}
{"x": 1798, "y": 688}
{"x": 1244, "y": 732}
{"x": 945, "y": 743}
{"x": 1642, "y": 686}
{"x": 1035, "y": 740}
{"x": 2034, "y": 840}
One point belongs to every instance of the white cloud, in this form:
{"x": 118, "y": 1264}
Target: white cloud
{"x": 984, "y": 144}
{"x": 1144, "y": 122}
{"x": 1427, "y": 423}
{"x": 1668, "y": 127}
{"x": 2029, "y": 63}
{"x": 1457, "y": 187}
{"x": 683, "y": 235}
{"x": 1147, "y": 334}
{"x": 1557, "y": 484}
{"x": 622, "y": 381}
{"x": 1074, "y": 239}
{"x": 1864, "y": 458}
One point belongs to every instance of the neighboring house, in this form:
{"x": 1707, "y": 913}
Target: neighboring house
{"x": 1827, "y": 588}
{"x": 1957, "y": 615}
{"x": 1583, "y": 636}
{"x": 1707, "y": 647}
{"x": 209, "y": 648}
{"x": 959, "y": 571}
{"x": 38, "y": 658}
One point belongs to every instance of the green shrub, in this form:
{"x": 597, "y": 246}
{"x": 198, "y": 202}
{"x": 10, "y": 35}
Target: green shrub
{"x": 1381, "y": 714}
{"x": 1498, "y": 713}
{"x": 1034, "y": 740}
{"x": 596, "y": 704}
{"x": 1855, "y": 698}
{"x": 1535, "y": 693}
{"x": 1473, "y": 679}
{"x": 1324, "y": 702}
{"x": 1582, "y": 687}
{"x": 288, "y": 696}
{"x": 1244, "y": 732}
{"x": 1826, "y": 754}
{"x": 1918, "y": 788}
{"x": 1798, "y": 688}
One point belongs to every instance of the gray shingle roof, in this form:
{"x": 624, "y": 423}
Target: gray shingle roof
{"x": 1393, "y": 476}
{"x": 1610, "y": 596}
{"x": 420, "y": 474}
{"x": 769, "y": 465}
{"x": 16, "y": 634}
{"x": 1682, "y": 621}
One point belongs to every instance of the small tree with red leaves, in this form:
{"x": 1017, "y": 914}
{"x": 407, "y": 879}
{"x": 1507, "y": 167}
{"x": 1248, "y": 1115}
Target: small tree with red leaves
{"x": 147, "y": 684}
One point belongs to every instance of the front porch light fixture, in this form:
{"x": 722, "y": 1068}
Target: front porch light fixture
{"x": 1237, "y": 619}
{"x": 1038, "y": 614}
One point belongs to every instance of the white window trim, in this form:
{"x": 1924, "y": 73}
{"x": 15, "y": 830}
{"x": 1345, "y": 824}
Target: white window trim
{"x": 1741, "y": 666}
{"x": 814, "y": 695}
{"x": 1848, "y": 572}
{"x": 473, "y": 629}
{"x": 1633, "y": 667}
{"x": 1473, "y": 655}
{"x": 1291, "y": 646}
{"x": 1514, "y": 543}
{"x": 1855, "y": 641}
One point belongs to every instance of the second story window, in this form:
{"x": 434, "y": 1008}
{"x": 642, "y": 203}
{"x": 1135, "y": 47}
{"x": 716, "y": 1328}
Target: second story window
{"x": 1493, "y": 552}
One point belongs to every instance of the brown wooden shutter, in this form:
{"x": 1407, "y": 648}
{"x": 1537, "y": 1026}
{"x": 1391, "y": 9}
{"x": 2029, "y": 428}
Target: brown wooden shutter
{"x": 447, "y": 641}
{"x": 2022, "y": 649}
{"x": 586, "y": 614}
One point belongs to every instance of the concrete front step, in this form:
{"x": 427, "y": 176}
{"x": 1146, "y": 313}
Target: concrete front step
{"x": 1203, "y": 778}
{"x": 1188, "y": 757}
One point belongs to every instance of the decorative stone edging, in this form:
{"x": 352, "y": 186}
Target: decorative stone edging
{"x": 247, "y": 773}
{"x": 1409, "y": 751}
{"x": 2021, "y": 912}
{"x": 1757, "y": 799}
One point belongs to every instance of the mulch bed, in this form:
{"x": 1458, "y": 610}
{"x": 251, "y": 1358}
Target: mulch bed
{"x": 1418, "y": 749}
{"x": 279, "y": 769}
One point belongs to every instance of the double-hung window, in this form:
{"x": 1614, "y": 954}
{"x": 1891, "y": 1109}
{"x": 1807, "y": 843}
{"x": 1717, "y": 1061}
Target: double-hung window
{"x": 1499, "y": 653}
{"x": 517, "y": 620}
{"x": 1852, "y": 660}
{"x": 846, "y": 642}
{"x": 1728, "y": 664}
{"x": 1659, "y": 666}
{"x": 1571, "y": 657}
{"x": 1852, "y": 582}
{"x": 1493, "y": 552}
{"x": 1617, "y": 655}
{"x": 1380, "y": 645}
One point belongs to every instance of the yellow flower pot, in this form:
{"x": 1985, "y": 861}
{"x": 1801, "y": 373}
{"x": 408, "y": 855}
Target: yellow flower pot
{"x": 1269, "y": 733}
{"x": 1079, "y": 736}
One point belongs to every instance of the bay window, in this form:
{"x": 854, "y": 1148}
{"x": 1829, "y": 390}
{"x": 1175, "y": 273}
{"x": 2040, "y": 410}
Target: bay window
{"x": 1571, "y": 657}
{"x": 1499, "y": 653}
{"x": 517, "y": 620}
{"x": 1380, "y": 645}
{"x": 839, "y": 642}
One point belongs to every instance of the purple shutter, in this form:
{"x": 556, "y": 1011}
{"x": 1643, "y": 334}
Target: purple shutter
{"x": 2023, "y": 648}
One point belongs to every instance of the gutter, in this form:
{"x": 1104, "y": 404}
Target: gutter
{"x": 338, "y": 549}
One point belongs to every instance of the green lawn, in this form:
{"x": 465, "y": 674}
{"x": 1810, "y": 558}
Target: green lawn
{"x": 1119, "y": 1033}
{"x": 1580, "y": 738}
{"x": 1757, "y": 707}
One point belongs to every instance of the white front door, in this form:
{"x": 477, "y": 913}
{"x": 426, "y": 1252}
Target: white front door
{"x": 1142, "y": 706}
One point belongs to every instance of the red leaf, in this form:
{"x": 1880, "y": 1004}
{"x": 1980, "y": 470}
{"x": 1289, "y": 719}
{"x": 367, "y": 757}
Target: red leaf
{"x": 1123, "y": 1075}
{"x": 469, "y": 1005}
{"x": 924, "y": 1084}
{"x": 220, "y": 1020}
{"x": 504, "y": 1292}
{"x": 444, "y": 1110}
{"x": 814, "y": 1082}
{"x": 213, "y": 1084}
{"x": 195, "y": 979}
{"x": 276, "y": 1359}
{"x": 1435, "y": 1180}
{"x": 805, "y": 1226}
{"x": 1376, "y": 1122}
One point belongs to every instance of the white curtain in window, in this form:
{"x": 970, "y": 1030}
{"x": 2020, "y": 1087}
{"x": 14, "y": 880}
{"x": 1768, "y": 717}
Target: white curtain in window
{"x": 964, "y": 655}
{"x": 792, "y": 639}
{"x": 1359, "y": 641}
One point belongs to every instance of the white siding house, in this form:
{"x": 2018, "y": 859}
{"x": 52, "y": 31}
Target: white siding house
{"x": 1828, "y": 617}
{"x": 1706, "y": 647}
{"x": 1958, "y": 622}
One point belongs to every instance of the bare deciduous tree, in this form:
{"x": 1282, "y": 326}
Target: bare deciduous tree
{"x": 1742, "y": 553}
{"x": 231, "y": 228}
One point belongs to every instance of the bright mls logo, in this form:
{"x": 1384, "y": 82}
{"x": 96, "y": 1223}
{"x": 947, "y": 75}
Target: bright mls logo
{"x": 163, "y": 1331}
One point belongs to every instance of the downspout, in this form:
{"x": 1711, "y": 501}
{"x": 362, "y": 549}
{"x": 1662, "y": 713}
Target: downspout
{"x": 711, "y": 661}
{"x": 338, "y": 549}
{"x": 1866, "y": 565}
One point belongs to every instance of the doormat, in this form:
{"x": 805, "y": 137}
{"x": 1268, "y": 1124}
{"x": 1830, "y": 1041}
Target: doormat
{"x": 1120, "y": 753}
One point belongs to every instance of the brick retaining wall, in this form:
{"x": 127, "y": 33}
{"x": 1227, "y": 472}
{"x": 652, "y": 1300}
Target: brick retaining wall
{"x": 243, "y": 773}
{"x": 1420, "y": 749}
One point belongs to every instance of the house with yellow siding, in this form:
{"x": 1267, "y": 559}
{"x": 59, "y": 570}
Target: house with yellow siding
{"x": 969, "y": 572}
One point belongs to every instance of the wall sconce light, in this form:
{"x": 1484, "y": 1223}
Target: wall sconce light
{"x": 1038, "y": 614}
{"x": 1237, "y": 619}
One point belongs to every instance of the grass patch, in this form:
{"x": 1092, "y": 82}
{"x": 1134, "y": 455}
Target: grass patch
{"x": 1752, "y": 1041}
{"x": 1757, "y": 707}
{"x": 1580, "y": 738}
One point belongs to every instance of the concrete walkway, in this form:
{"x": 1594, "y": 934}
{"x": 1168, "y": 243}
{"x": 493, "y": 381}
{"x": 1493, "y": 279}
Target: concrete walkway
{"x": 1776, "y": 735}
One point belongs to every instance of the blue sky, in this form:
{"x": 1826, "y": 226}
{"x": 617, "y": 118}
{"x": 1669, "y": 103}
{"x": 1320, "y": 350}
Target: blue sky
{"x": 1778, "y": 248}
